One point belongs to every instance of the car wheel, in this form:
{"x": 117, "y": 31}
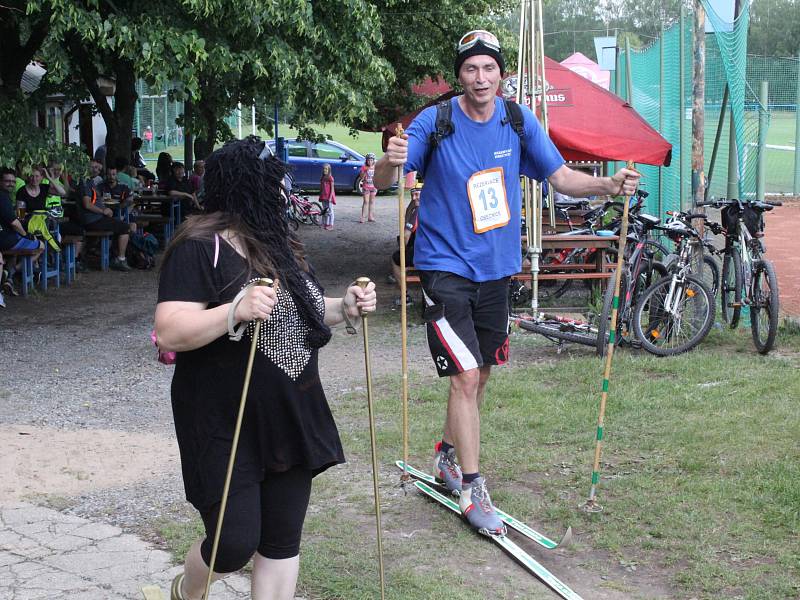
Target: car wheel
{"x": 357, "y": 189}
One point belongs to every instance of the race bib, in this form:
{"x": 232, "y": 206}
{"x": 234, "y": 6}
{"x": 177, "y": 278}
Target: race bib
{"x": 487, "y": 198}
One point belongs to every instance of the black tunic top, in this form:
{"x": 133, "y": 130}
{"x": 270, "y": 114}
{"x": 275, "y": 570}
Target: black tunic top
{"x": 287, "y": 420}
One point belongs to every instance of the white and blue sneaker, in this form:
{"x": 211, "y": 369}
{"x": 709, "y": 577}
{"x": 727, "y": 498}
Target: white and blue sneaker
{"x": 446, "y": 469}
{"x": 477, "y": 508}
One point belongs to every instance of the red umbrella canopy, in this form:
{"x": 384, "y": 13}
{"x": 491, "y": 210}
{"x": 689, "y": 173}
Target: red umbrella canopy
{"x": 586, "y": 122}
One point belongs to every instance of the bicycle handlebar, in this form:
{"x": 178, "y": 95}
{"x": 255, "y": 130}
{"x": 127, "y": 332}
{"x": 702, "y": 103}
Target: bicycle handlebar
{"x": 757, "y": 204}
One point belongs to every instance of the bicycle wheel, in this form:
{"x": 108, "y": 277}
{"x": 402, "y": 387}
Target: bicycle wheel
{"x": 604, "y": 325}
{"x": 732, "y": 281}
{"x": 666, "y": 333}
{"x": 658, "y": 250}
{"x": 764, "y": 306}
{"x": 314, "y": 211}
{"x": 711, "y": 274}
{"x": 555, "y": 331}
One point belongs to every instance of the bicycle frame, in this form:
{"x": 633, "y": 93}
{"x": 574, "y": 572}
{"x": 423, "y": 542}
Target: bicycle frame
{"x": 674, "y": 295}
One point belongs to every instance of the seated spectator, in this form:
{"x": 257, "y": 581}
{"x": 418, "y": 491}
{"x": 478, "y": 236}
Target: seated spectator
{"x": 98, "y": 217}
{"x": 196, "y": 178}
{"x": 13, "y": 235}
{"x": 178, "y": 186}
{"x": 34, "y": 196}
{"x": 95, "y": 172}
{"x": 132, "y": 183}
{"x": 100, "y": 154}
{"x": 409, "y": 235}
{"x": 163, "y": 169}
{"x": 138, "y": 162}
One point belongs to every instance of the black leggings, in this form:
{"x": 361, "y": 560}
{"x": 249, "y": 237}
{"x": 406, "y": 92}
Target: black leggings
{"x": 267, "y": 517}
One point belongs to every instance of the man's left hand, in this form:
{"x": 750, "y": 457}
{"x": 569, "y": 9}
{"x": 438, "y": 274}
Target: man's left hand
{"x": 624, "y": 182}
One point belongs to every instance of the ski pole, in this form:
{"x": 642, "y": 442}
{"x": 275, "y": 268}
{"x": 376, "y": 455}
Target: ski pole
{"x": 363, "y": 282}
{"x": 234, "y": 445}
{"x": 401, "y": 217}
{"x": 591, "y": 504}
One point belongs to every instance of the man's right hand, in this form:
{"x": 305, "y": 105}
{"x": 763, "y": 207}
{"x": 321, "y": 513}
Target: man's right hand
{"x": 108, "y": 212}
{"x": 397, "y": 150}
{"x": 395, "y": 156}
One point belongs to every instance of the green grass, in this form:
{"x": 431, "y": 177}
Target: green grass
{"x": 700, "y": 479}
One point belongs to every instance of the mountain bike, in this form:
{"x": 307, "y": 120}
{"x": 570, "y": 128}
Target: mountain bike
{"x": 571, "y": 258}
{"x": 710, "y": 272}
{"x": 557, "y": 329}
{"x": 303, "y": 210}
{"x": 675, "y": 313}
{"x": 748, "y": 279}
{"x": 641, "y": 268}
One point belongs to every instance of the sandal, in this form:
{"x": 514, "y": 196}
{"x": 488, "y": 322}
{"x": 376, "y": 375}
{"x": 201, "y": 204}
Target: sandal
{"x": 175, "y": 590}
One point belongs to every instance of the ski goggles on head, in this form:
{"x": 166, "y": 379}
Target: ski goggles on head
{"x": 472, "y": 38}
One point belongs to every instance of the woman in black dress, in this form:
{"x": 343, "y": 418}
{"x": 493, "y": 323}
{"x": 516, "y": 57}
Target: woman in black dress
{"x": 288, "y": 434}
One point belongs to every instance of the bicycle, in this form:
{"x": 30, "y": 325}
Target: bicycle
{"x": 710, "y": 272}
{"x": 675, "y": 313}
{"x": 748, "y": 279}
{"x": 303, "y": 210}
{"x": 557, "y": 329}
{"x": 641, "y": 267}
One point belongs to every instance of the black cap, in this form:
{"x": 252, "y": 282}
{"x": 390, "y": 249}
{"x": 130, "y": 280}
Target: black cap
{"x": 476, "y": 50}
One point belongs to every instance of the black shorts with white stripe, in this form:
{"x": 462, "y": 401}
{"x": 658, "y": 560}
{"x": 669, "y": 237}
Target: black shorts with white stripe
{"x": 467, "y": 321}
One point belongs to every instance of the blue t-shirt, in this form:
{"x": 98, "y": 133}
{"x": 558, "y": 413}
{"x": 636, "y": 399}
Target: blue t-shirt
{"x": 446, "y": 237}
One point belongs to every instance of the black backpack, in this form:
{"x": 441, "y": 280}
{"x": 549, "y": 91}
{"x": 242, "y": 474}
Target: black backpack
{"x": 445, "y": 127}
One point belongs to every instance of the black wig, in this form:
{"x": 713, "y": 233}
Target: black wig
{"x": 240, "y": 182}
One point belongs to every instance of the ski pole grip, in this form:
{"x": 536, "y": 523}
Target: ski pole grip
{"x": 363, "y": 282}
{"x": 266, "y": 281}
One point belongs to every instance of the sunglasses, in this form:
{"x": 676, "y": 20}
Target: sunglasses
{"x": 471, "y": 38}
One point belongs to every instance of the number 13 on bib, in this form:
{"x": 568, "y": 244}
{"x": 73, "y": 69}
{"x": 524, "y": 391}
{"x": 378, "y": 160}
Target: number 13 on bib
{"x": 487, "y": 198}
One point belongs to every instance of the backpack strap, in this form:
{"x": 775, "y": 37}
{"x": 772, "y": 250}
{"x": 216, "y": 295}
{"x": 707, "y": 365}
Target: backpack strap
{"x": 515, "y": 118}
{"x": 444, "y": 127}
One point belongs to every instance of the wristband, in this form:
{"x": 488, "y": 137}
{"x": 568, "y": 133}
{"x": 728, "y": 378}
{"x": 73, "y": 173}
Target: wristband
{"x": 349, "y": 326}
{"x": 235, "y": 334}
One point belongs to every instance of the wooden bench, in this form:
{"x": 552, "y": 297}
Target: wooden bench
{"x": 105, "y": 246}
{"x": 27, "y": 267}
{"x": 599, "y": 270}
{"x": 145, "y": 219}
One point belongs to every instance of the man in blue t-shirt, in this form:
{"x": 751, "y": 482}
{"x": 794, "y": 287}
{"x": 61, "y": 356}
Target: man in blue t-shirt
{"x": 468, "y": 244}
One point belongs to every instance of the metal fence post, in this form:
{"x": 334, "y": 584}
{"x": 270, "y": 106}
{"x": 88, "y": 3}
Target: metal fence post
{"x": 796, "y": 186}
{"x": 762, "y": 141}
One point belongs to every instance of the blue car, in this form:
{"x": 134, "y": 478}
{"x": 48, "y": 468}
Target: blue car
{"x": 306, "y": 160}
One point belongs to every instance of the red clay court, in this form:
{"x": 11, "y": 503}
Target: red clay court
{"x": 783, "y": 249}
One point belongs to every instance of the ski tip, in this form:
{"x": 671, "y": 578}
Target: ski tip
{"x": 566, "y": 539}
{"x": 152, "y": 592}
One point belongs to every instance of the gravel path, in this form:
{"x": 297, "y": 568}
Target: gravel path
{"x": 84, "y": 410}
{"x": 85, "y": 417}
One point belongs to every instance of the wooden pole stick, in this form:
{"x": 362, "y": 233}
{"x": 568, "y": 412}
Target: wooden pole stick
{"x": 401, "y": 218}
{"x": 592, "y": 504}
{"x": 234, "y": 446}
{"x": 363, "y": 282}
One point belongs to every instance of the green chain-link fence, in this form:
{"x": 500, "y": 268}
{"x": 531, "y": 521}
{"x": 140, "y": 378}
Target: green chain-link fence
{"x": 154, "y": 119}
{"x": 661, "y": 91}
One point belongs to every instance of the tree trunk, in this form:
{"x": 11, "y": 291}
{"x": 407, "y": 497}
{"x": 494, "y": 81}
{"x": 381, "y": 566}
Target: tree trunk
{"x": 698, "y": 128}
{"x": 120, "y": 127}
{"x": 14, "y": 55}
{"x": 204, "y": 143}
